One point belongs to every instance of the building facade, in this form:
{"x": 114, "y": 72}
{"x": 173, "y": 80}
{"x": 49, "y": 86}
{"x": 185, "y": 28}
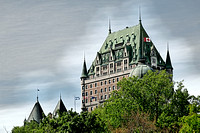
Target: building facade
{"x": 125, "y": 52}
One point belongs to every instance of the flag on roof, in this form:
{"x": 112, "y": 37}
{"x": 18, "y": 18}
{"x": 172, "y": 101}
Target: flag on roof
{"x": 77, "y": 98}
{"x": 147, "y": 39}
{"x": 93, "y": 97}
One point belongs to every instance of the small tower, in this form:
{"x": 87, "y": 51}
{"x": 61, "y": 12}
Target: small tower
{"x": 59, "y": 107}
{"x": 37, "y": 114}
{"x": 83, "y": 77}
{"x": 168, "y": 66}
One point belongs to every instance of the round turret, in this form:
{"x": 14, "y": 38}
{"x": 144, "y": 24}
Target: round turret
{"x": 140, "y": 70}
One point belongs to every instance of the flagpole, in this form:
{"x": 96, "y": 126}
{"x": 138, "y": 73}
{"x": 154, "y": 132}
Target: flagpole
{"x": 74, "y": 103}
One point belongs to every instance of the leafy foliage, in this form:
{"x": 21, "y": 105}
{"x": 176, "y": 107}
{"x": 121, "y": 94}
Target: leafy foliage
{"x": 67, "y": 122}
{"x": 148, "y": 104}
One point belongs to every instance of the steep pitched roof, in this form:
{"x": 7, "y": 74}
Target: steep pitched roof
{"x": 133, "y": 38}
{"x": 60, "y": 106}
{"x": 84, "y": 70}
{"x": 168, "y": 61}
{"x": 37, "y": 113}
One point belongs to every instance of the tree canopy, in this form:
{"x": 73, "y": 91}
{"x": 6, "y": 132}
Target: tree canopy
{"x": 148, "y": 104}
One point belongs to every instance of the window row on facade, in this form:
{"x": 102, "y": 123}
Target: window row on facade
{"x": 101, "y": 83}
{"x": 92, "y": 99}
{"x": 111, "y": 68}
{"x": 101, "y": 91}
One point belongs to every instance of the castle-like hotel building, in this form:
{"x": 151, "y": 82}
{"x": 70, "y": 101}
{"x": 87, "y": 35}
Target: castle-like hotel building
{"x": 124, "y": 53}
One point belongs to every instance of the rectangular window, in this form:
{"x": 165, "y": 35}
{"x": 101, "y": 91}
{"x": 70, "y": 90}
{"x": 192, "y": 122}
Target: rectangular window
{"x": 86, "y": 101}
{"x": 105, "y": 82}
{"x": 113, "y": 80}
{"x": 111, "y": 65}
{"x": 97, "y": 68}
{"x": 95, "y": 91}
{"x": 105, "y": 89}
{"x": 125, "y": 61}
{"x": 90, "y": 85}
{"x": 113, "y": 87}
{"x": 101, "y": 90}
{"x": 119, "y": 70}
{"x": 101, "y": 97}
{"x": 105, "y": 96}
{"x": 101, "y": 83}
{"x": 109, "y": 81}
{"x": 95, "y": 84}
{"x": 86, "y": 94}
{"x": 105, "y": 73}
{"x": 118, "y": 63}
{"x": 117, "y": 79}
{"x": 104, "y": 67}
{"x": 109, "y": 89}
{"x": 91, "y": 108}
{"x": 90, "y": 92}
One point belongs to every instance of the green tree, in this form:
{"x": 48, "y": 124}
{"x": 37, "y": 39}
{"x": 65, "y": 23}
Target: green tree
{"x": 149, "y": 94}
{"x": 190, "y": 123}
{"x": 177, "y": 108}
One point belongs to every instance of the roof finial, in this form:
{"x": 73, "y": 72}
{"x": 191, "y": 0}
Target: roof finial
{"x": 167, "y": 46}
{"x": 109, "y": 26}
{"x": 140, "y": 15}
{"x": 37, "y": 94}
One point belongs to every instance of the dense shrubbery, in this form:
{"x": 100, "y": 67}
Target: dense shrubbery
{"x": 149, "y": 104}
{"x": 66, "y": 123}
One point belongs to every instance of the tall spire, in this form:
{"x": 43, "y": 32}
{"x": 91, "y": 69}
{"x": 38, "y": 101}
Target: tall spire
{"x": 168, "y": 60}
{"x": 141, "y": 58}
{"x": 84, "y": 70}
{"x": 109, "y": 27}
{"x": 140, "y": 20}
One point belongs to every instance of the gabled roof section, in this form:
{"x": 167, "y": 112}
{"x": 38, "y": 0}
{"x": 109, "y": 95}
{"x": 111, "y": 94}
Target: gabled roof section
{"x": 59, "y": 107}
{"x": 131, "y": 38}
{"x": 84, "y": 70}
{"x": 37, "y": 113}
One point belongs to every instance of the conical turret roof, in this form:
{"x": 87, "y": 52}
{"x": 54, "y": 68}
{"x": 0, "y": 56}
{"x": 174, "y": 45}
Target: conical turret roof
{"x": 84, "y": 70}
{"x": 37, "y": 113}
{"x": 168, "y": 61}
{"x": 59, "y": 107}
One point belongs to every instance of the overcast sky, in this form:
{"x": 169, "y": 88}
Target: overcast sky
{"x": 42, "y": 44}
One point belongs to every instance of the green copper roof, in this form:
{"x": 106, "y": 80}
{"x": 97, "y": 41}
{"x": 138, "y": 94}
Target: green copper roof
{"x": 168, "y": 61}
{"x": 84, "y": 70}
{"x": 140, "y": 70}
{"x": 130, "y": 38}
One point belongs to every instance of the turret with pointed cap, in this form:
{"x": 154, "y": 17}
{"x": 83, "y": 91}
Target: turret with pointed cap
{"x": 84, "y": 70}
{"x": 168, "y": 66}
{"x": 37, "y": 114}
{"x": 59, "y": 107}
